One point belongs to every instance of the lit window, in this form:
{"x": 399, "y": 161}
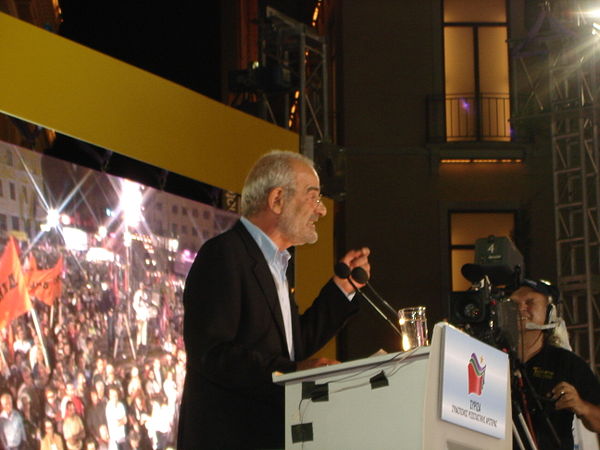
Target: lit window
{"x": 476, "y": 70}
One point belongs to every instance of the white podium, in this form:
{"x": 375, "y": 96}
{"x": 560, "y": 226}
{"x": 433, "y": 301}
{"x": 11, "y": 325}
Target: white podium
{"x": 397, "y": 401}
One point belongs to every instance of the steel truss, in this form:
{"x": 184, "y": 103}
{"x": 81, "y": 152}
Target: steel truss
{"x": 565, "y": 97}
{"x": 302, "y": 54}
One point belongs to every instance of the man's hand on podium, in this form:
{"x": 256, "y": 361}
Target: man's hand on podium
{"x": 315, "y": 362}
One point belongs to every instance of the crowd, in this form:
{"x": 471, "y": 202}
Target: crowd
{"x": 88, "y": 383}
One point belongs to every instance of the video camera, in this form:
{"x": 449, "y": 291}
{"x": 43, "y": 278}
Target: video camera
{"x": 485, "y": 311}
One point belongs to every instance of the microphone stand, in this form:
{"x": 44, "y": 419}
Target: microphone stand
{"x": 375, "y": 307}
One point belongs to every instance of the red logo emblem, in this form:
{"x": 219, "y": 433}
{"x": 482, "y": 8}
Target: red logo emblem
{"x": 476, "y": 375}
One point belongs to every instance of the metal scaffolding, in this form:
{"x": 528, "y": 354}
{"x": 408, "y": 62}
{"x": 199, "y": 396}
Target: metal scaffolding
{"x": 556, "y": 71}
{"x": 301, "y": 54}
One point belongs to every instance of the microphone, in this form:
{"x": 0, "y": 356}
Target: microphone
{"x": 343, "y": 271}
{"x": 535, "y": 326}
{"x": 361, "y": 275}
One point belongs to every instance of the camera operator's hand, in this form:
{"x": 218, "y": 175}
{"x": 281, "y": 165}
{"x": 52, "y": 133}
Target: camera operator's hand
{"x": 567, "y": 397}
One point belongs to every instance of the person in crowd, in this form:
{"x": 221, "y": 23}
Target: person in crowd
{"x": 116, "y": 419}
{"x": 21, "y": 343}
{"x": 241, "y": 322}
{"x": 34, "y": 394}
{"x": 29, "y": 423}
{"x": 133, "y": 441}
{"x": 51, "y": 440}
{"x": 106, "y": 307}
{"x": 73, "y": 429}
{"x": 41, "y": 372}
{"x": 95, "y": 414}
{"x": 141, "y": 306}
{"x": 152, "y": 386}
{"x": 562, "y": 382}
{"x": 52, "y": 407}
{"x": 71, "y": 396}
{"x": 134, "y": 385}
{"x": 90, "y": 444}
{"x": 12, "y": 428}
{"x": 104, "y": 442}
{"x": 99, "y": 370}
{"x": 100, "y": 390}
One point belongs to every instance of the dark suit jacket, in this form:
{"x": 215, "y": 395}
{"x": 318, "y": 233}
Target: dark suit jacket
{"x": 234, "y": 337}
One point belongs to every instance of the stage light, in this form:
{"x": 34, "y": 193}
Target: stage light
{"x": 173, "y": 245}
{"x": 127, "y": 238}
{"x": 593, "y": 13}
{"x": 131, "y": 203}
{"x": 52, "y": 219}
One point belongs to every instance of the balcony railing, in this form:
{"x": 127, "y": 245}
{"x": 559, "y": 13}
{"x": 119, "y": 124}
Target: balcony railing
{"x": 469, "y": 118}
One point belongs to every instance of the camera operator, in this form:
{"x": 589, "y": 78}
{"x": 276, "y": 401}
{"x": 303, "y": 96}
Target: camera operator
{"x": 561, "y": 380}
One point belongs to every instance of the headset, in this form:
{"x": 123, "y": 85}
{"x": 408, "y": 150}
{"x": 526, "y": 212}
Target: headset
{"x": 552, "y": 293}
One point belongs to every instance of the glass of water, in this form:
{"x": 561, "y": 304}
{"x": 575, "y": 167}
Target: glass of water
{"x": 413, "y": 325}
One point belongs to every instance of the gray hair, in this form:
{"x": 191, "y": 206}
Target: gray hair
{"x": 272, "y": 170}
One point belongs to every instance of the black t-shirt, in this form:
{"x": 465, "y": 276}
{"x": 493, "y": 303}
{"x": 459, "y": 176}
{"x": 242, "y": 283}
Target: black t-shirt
{"x": 545, "y": 370}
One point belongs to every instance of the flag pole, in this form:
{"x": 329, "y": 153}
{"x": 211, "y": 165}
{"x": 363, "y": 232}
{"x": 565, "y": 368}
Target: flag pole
{"x": 4, "y": 363}
{"x": 36, "y": 324}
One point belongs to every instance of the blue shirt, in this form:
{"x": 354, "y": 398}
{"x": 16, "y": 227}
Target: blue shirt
{"x": 278, "y": 264}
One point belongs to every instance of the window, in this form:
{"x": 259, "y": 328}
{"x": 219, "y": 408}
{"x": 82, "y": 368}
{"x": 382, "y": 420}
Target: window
{"x": 13, "y": 193}
{"x": 2, "y": 222}
{"x": 174, "y": 209}
{"x": 9, "y": 158}
{"x": 194, "y": 232}
{"x": 476, "y": 70}
{"x": 206, "y": 214}
{"x": 174, "y": 229}
{"x": 24, "y": 194}
{"x": 465, "y": 229}
{"x": 184, "y": 229}
{"x": 183, "y": 211}
{"x": 194, "y": 212}
{"x": 15, "y": 223}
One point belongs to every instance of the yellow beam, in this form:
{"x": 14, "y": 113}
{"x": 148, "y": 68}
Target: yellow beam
{"x": 59, "y": 84}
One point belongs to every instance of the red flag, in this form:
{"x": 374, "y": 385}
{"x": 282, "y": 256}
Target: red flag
{"x": 14, "y": 298}
{"x": 46, "y": 285}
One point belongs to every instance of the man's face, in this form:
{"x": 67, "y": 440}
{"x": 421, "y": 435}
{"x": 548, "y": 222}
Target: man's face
{"x": 532, "y": 305}
{"x": 303, "y": 209}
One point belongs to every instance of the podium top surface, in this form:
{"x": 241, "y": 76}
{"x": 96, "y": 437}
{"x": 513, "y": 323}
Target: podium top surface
{"x": 350, "y": 365}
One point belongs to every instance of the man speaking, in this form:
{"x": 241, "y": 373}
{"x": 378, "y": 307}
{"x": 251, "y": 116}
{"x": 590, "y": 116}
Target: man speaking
{"x": 241, "y": 322}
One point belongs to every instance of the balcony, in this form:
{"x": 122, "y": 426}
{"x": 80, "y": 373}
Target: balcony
{"x": 469, "y": 118}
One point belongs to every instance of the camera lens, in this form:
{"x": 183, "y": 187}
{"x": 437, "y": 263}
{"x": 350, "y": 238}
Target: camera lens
{"x": 472, "y": 311}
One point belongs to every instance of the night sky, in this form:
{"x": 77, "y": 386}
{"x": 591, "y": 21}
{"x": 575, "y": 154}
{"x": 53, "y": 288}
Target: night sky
{"x": 176, "y": 40}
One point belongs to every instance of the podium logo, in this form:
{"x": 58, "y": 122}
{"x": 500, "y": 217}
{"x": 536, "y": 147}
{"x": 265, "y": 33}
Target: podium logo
{"x": 476, "y": 371}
